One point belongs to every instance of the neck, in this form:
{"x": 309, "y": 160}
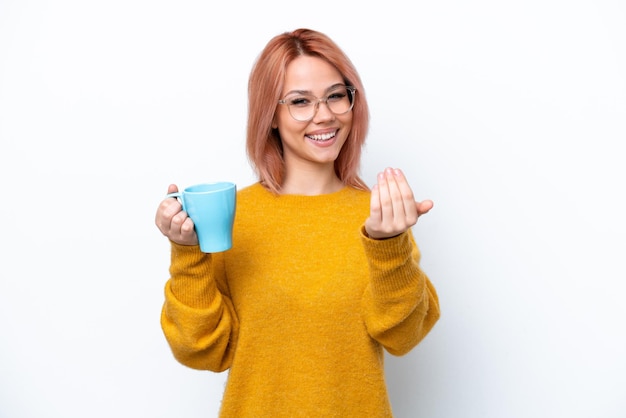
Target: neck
{"x": 311, "y": 182}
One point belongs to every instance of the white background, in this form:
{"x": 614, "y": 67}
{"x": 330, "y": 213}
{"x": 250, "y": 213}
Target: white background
{"x": 510, "y": 115}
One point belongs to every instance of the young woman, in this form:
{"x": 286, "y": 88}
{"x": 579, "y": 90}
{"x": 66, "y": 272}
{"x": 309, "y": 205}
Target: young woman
{"x": 323, "y": 274}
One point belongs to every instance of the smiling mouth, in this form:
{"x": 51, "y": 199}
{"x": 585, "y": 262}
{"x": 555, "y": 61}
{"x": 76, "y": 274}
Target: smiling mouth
{"x": 323, "y": 137}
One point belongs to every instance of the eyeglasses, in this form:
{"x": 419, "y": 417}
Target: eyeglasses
{"x": 303, "y": 107}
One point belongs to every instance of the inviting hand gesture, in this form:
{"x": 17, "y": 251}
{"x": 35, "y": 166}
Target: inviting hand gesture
{"x": 393, "y": 208}
{"x": 173, "y": 222}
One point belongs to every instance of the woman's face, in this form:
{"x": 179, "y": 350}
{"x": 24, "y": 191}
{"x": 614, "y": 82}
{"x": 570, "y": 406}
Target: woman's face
{"x": 318, "y": 141}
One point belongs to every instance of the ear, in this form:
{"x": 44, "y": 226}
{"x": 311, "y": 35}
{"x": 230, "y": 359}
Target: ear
{"x": 274, "y": 123}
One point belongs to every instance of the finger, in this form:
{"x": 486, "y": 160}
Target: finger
{"x": 178, "y": 220}
{"x": 386, "y": 204}
{"x": 171, "y": 207}
{"x": 406, "y": 196}
{"x": 187, "y": 226}
{"x": 172, "y": 188}
{"x": 397, "y": 205}
{"x": 424, "y": 207}
{"x": 167, "y": 209}
{"x": 375, "y": 208}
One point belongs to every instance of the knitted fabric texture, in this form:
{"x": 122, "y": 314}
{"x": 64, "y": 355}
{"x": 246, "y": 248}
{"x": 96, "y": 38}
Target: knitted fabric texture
{"x": 300, "y": 309}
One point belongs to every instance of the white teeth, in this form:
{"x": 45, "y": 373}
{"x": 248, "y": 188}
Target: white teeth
{"x": 324, "y": 137}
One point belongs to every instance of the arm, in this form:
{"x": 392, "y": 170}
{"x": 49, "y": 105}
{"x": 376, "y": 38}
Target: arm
{"x": 198, "y": 318}
{"x": 400, "y": 305}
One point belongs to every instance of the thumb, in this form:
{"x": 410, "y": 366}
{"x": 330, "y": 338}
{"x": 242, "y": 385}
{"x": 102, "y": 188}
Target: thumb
{"x": 172, "y": 188}
{"x": 424, "y": 207}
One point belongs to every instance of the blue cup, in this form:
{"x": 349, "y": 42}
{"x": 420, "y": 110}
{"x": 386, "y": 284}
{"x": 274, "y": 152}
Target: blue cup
{"x": 211, "y": 207}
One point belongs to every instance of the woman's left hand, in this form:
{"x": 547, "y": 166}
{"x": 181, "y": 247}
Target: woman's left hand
{"x": 393, "y": 209}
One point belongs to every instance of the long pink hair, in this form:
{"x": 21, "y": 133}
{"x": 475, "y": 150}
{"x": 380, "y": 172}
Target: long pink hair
{"x": 265, "y": 86}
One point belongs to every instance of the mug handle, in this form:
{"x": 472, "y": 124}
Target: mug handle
{"x": 179, "y": 196}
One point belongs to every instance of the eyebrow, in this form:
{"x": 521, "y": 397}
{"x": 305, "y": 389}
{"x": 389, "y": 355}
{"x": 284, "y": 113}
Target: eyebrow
{"x": 309, "y": 92}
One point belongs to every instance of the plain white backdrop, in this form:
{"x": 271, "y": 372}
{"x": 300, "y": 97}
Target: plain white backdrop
{"x": 511, "y": 116}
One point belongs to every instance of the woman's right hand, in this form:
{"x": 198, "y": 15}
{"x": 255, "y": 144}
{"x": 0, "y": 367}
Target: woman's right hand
{"x": 173, "y": 221}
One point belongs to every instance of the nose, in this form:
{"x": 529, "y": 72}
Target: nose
{"x": 322, "y": 113}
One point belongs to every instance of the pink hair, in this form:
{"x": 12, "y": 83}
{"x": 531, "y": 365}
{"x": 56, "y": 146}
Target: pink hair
{"x": 264, "y": 89}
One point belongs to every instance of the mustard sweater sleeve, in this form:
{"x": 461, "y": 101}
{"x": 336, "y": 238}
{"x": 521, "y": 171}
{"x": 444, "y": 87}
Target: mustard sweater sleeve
{"x": 400, "y": 304}
{"x": 198, "y": 318}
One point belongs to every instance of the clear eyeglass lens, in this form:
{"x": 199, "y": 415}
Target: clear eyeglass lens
{"x": 303, "y": 107}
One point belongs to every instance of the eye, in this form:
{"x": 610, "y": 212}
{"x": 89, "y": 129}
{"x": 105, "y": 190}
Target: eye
{"x": 299, "y": 101}
{"x": 337, "y": 96}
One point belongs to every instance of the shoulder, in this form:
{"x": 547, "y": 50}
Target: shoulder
{"x": 251, "y": 191}
{"x": 355, "y": 196}
{"x": 255, "y": 197}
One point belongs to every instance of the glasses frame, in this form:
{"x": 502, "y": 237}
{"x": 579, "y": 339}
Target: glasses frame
{"x": 324, "y": 100}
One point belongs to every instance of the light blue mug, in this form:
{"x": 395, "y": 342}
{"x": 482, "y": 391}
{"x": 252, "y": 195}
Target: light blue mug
{"x": 211, "y": 207}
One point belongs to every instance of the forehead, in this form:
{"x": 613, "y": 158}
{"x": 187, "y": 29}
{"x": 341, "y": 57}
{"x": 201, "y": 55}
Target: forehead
{"x": 311, "y": 74}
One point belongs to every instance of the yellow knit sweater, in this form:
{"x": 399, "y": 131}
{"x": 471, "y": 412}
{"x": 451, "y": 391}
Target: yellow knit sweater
{"x": 300, "y": 309}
